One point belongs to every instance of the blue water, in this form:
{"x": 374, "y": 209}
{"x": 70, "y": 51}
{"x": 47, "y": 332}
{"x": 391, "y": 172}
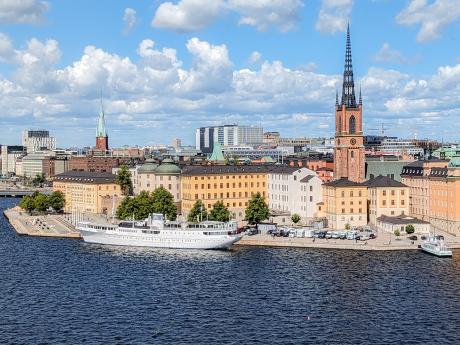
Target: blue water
{"x": 58, "y": 291}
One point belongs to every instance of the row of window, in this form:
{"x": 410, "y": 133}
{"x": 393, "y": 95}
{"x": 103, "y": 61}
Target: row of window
{"x": 239, "y": 177}
{"x": 228, "y": 185}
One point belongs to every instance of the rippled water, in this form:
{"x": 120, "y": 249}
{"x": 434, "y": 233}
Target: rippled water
{"x": 58, "y": 291}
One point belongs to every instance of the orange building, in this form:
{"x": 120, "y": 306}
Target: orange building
{"x": 444, "y": 198}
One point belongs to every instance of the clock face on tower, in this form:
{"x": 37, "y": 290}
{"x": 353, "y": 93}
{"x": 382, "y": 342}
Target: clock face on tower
{"x": 353, "y": 141}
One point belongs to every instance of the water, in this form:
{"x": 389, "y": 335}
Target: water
{"x": 58, "y": 291}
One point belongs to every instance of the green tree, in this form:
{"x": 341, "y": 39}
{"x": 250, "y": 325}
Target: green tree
{"x": 219, "y": 212}
{"x": 126, "y": 209}
{"x": 397, "y": 233}
{"x": 347, "y": 226}
{"x": 295, "y": 218}
{"x": 198, "y": 212}
{"x": 27, "y": 204}
{"x": 163, "y": 202}
{"x": 142, "y": 204}
{"x": 41, "y": 203}
{"x": 257, "y": 209}
{"x": 410, "y": 229}
{"x": 124, "y": 180}
{"x": 56, "y": 201}
{"x": 38, "y": 180}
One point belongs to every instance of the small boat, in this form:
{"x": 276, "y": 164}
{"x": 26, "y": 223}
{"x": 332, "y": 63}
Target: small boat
{"x": 435, "y": 245}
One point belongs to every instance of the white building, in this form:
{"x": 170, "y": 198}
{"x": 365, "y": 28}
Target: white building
{"x": 399, "y": 147}
{"x": 227, "y": 135}
{"x": 38, "y": 140}
{"x": 294, "y": 190}
{"x": 9, "y": 155}
{"x": 33, "y": 163}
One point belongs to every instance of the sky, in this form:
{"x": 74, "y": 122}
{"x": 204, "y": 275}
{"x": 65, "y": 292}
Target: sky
{"x": 167, "y": 67}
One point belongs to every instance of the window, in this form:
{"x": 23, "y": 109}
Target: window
{"x": 352, "y": 125}
{"x": 343, "y": 210}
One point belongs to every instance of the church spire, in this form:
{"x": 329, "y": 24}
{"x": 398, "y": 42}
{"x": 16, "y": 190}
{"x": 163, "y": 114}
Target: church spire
{"x": 360, "y": 96}
{"x": 101, "y": 131}
{"x": 348, "y": 88}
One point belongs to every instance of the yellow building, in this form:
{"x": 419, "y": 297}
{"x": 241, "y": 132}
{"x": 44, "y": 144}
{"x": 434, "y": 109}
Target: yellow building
{"x": 86, "y": 191}
{"x": 416, "y": 176}
{"x": 345, "y": 202}
{"x": 387, "y": 197}
{"x": 233, "y": 184}
{"x": 445, "y": 197}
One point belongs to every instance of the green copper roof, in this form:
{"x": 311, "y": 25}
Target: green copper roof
{"x": 454, "y": 162}
{"x": 101, "y": 132}
{"x": 167, "y": 167}
{"x": 217, "y": 155}
{"x": 148, "y": 167}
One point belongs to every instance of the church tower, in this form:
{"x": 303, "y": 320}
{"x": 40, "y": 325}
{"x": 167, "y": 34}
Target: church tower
{"x": 349, "y": 142}
{"x": 102, "y": 139}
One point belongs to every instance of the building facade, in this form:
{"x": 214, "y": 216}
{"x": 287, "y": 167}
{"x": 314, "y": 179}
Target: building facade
{"x": 387, "y": 197}
{"x": 232, "y": 184}
{"x": 227, "y": 135}
{"x": 95, "y": 163}
{"x": 349, "y": 141}
{"x": 88, "y": 191}
{"x": 416, "y": 175}
{"x": 294, "y": 190}
{"x": 345, "y": 203}
{"x": 38, "y": 140}
{"x": 9, "y": 155}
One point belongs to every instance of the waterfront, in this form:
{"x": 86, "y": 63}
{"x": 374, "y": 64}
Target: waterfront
{"x": 57, "y": 291}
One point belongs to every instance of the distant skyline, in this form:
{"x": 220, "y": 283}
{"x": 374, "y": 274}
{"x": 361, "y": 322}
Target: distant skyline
{"x": 166, "y": 68}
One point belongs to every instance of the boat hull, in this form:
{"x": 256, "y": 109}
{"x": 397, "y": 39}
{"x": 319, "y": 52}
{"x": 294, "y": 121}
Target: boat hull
{"x": 441, "y": 254}
{"x": 165, "y": 241}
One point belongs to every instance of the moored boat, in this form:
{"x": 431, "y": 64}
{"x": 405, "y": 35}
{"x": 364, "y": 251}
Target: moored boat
{"x": 157, "y": 233}
{"x": 435, "y": 245}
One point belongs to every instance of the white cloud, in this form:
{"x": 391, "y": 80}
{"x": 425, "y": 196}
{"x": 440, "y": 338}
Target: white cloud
{"x": 156, "y": 91}
{"x": 388, "y": 54}
{"x": 187, "y": 15}
{"x": 334, "y": 16}
{"x": 432, "y": 17}
{"x": 7, "y": 52}
{"x": 255, "y": 57}
{"x": 129, "y": 20}
{"x": 195, "y": 15}
{"x": 23, "y": 11}
{"x": 263, "y": 14}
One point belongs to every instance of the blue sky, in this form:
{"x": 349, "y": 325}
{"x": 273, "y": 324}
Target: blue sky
{"x": 166, "y": 68}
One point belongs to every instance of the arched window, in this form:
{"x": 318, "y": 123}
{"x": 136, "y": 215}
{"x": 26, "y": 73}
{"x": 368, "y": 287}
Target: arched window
{"x": 352, "y": 125}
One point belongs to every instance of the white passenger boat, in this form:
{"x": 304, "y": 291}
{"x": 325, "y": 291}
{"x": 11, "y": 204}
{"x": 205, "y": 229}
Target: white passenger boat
{"x": 435, "y": 245}
{"x": 158, "y": 233}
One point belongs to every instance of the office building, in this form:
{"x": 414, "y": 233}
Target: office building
{"x": 227, "y": 135}
{"x": 38, "y": 140}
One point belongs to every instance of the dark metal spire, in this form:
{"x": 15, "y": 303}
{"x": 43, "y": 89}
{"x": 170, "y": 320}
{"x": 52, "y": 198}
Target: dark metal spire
{"x": 360, "y": 97}
{"x": 337, "y": 97}
{"x": 348, "y": 88}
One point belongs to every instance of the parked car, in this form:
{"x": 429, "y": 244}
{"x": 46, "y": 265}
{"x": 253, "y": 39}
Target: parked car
{"x": 329, "y": 234}
{"x": 251, "y": 232}
{"x": 363, "y": 236}
{"x": 351, "y": 235}
{"x": 322, "y": 234}
{"x": 342, "y": 235}
{"x": 439, "y": 237}
{"x": 372, "y": 235}
{"x": 413, "y": 238}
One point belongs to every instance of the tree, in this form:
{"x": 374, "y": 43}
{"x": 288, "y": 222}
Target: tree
{"x": 126, "y": 209}
{"x": 347, "y": 226}
{"x": 124, "y": 180}
{"x": 410, "y": 229}
{"x": 295, "y": 218}
{"x": 219, "y": 212}
{"x": 397, "y": 233}
{"x": 143, "y": 205}
{"x": 38, "y": 180}
{"x": 56, "y": 201}
{"x": 257, "y": 209}
{"x": 198, "y": 212}
{"x": 163, "y": 202}
{"x": 41, "y": 203}
{"x": 27, "y": 204}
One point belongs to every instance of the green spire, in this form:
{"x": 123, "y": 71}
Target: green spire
{"x": 217, "y": 155}
{"x": 101, "y": 132}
